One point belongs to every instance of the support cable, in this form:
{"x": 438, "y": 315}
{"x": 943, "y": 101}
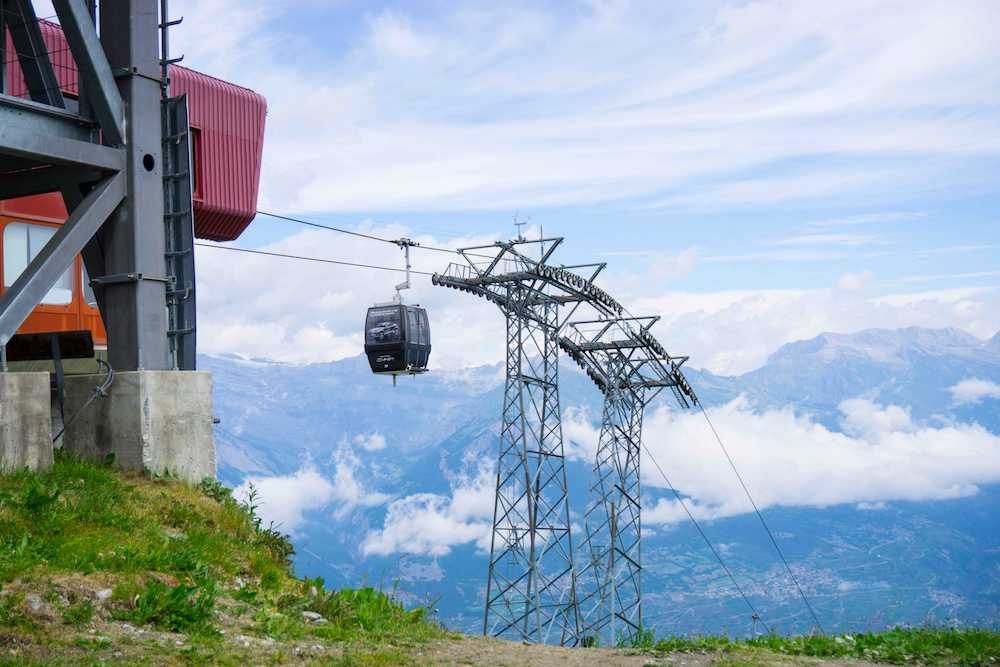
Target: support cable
{"x": 756, "y": 616}
{"x": 760, "y": 516}
{"x": 300, "y": 221}
{"x": 309, "y": 259}
{"x": 370, "y": 237}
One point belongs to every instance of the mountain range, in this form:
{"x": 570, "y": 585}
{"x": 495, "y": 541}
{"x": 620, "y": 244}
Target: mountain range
{"x": 345, "y": 462}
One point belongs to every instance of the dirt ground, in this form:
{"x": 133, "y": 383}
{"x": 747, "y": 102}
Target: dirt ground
{"x": 482, "y": 651}
{"x": 103, "y": 640}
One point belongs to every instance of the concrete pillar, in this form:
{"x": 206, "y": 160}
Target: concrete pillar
{"x": 160, "y": 421}
{"x": 25, "y": 421}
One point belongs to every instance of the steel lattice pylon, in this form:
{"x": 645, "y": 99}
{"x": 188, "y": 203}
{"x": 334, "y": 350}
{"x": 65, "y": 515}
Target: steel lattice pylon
{"x": 532, "y": 583}
{"x": 530, "y": 591}
{"x": 631, "y": 368}
{"x": 610, "y": 578}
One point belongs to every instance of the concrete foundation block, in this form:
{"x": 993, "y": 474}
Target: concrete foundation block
{"x": 160, "y": 421}
{"x": 25, "y": 421}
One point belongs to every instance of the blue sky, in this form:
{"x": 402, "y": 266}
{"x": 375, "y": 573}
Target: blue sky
{"x": 747, "y": 153}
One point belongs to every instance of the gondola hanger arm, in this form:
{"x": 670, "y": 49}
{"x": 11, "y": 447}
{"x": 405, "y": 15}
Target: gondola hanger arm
{"x": 405, "y": 244}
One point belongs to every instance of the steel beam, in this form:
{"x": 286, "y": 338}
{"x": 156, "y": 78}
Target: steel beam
{"x": 37, "y": 117}
{"x": 134, "y": 240}
{"x": 95, "y": 73}
{"x": 58, "y": 254}
{"x": 93, "y": 253}
{"x": 44, "y": 179}
{"x": 45, "y": 148}
{"x": 26, "y": 36}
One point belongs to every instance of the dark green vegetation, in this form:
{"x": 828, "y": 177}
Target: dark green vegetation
{"x": 86, "y": 547}
{"x": 923, "y": 646}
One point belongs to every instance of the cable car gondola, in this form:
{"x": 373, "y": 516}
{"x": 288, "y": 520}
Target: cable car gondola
{"x": 397, "y": 335}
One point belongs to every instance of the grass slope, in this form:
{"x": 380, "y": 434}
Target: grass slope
{"x": 924, "y": 646}
{"x": 96, "y": 564}
{"x": 99, "y": 566}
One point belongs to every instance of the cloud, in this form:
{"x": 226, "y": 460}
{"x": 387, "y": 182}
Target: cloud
{"x": 431, "y": 525}
{"x": 349, "y": 491}
{"x": 974, "y": 390}
{"x": 315, "y": 312}
{"x": 868, "y": 219}
{"x": 371, "y": 442}
{"x": 479, "y": 105}
{"x": 285, "y": 499}
{"x": 735, "y": 331}
{"x": 826, "y": 239}
{"x": 854, "y": 281}
{"x": 882, "y": 456}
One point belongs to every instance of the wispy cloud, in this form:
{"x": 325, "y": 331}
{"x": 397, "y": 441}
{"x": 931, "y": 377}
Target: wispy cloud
{"x": 938, "y": 277}
{"x": 974, "y": 390}
{"x": 489, "y": 105}
{"x": 826, "y": 240}
{"x": 789, "y": 255}
{"x": 956, "y": 249}
{"x": 312, "y": 313}
{"x": 868, "y": 219}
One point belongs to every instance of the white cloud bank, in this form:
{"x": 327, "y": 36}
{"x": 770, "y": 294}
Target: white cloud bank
{"x": 790, "y": 460}
{"x": 786, "y": 460}
{"x": 285, "y": 499}
{"x": 431, "y": 525}
{"x": 974, "y": 390}
{"x": 315, "y": 312}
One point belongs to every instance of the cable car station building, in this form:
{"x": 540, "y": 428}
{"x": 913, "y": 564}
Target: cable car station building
{"x": 112, "y": 160}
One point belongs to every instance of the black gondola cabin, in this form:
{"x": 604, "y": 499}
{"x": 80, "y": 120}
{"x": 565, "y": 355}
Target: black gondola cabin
{"x": 397, "y": 339}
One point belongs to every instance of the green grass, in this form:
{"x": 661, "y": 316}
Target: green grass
{"x": 898, "y": 646}
{"x": 181, "y": 558}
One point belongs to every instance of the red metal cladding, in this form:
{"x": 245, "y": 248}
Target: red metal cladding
{"x": 228, "y": 126}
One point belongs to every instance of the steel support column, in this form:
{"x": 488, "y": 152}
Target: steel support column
{"x": 133, "y": 240}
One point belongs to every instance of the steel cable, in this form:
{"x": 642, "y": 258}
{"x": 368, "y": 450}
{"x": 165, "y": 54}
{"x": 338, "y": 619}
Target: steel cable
{"x": 370, "y": 237}
{"x": 704, "y": 536}
{"x": 310, "y": 259}
{"x": 760, "y": 516}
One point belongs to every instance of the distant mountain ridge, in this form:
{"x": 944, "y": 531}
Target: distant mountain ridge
{"x": 914, "y": 367}
{"x": 277, "y": 418}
